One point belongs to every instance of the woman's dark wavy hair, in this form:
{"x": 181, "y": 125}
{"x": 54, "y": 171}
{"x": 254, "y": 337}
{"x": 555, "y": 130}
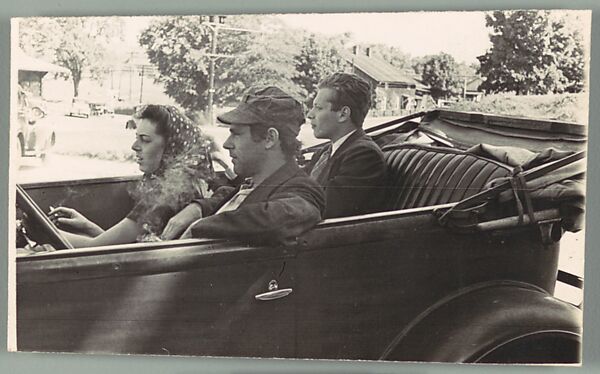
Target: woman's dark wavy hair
{"x": 185, "y": 163}
{"x": 158, "y": 114}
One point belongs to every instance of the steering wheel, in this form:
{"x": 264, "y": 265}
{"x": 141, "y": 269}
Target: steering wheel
{"x": 40, "y": 226}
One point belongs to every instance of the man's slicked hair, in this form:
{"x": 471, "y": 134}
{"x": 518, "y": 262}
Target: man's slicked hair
{"x": 351, "y": 91}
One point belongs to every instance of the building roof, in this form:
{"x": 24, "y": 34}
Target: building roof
{"x": 27, "y": 63}
{"x": 420, "y": 85}
{"x": 379, "y": 69}
{"x": 474, "y": 83}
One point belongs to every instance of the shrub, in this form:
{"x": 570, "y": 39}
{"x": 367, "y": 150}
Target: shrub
{"x": 562, "y": 107}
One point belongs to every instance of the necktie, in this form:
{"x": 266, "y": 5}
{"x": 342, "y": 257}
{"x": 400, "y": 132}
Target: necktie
{"x": 319, "y": 167}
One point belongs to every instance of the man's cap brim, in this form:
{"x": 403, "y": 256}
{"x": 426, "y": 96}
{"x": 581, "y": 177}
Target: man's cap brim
{"x": 241, "y": 115}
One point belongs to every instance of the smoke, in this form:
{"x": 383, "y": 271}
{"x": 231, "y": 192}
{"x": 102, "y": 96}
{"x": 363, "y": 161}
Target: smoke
{"x": 162, "y": 195}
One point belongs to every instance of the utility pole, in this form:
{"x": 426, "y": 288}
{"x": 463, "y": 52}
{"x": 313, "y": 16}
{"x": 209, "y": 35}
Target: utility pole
{"x": 142, "y": 84}
{"x": 211, "y": 77}
{"x": 214, "y": 28}
{"x": 130, "y": 83}
{"x": 120, "y": 79}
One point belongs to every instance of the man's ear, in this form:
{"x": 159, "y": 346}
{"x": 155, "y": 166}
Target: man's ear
{"x": 344, "y": 114}
{"x": 272, "y": 137}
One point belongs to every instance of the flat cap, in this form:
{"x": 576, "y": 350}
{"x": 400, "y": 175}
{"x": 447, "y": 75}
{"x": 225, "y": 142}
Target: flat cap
{"x": 268, "y": 106}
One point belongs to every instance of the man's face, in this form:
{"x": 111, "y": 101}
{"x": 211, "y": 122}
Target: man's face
{"x": 323, "y": 120}
{"x": 246, "y": 154}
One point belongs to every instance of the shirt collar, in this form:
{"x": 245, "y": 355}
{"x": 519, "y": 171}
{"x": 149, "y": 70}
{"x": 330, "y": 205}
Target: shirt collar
{"x": 338, "y": 143}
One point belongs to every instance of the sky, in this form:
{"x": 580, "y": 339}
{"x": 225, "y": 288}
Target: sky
{"x": 460, "y": 34}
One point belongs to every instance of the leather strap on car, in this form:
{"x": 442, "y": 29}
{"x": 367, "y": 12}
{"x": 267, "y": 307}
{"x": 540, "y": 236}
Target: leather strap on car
{"x": 522, "y": 179}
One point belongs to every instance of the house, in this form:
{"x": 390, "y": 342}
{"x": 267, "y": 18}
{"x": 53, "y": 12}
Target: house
{"x": 133, "y": 81}
{"x": 31, "y": 72}
{"x": 396, "y": 92}
{"x": 471, "y": 90}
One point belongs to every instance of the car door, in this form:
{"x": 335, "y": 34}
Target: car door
{"x": 181, "y": 298}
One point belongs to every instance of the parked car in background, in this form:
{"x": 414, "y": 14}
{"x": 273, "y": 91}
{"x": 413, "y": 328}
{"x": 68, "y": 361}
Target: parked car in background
{"x": 80, "y": 108}
{"x": 99, "y": 107}
{"x": 35, "y": 135}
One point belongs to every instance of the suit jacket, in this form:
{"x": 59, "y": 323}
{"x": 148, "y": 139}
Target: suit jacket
{"x": 283, "y": 206}
{"x": 354, "y": 178}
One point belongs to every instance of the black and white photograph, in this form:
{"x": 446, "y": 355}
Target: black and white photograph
{"x": 400, "y": 186}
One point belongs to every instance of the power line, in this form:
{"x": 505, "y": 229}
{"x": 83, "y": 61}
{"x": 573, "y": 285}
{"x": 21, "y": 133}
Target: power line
{"x": 214, "y": 28}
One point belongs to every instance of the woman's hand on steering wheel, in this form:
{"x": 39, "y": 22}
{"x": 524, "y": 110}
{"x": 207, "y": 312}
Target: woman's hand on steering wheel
{"x": 73, "y": 221}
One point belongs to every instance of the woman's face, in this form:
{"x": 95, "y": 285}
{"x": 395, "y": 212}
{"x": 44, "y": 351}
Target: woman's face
{"x": 148, "y": 146}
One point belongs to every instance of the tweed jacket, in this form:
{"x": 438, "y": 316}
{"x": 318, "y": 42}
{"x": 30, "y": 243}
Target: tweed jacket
{"x": 283, "y": 206}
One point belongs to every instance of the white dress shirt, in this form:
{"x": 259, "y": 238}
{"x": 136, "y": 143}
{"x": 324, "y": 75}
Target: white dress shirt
{"x": 338, "y": 143}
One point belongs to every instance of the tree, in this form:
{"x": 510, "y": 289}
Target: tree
{"x": 180, "y": 47}
{"x": 531, "y": 53}
{"x": 441, "y": 73}
{"x": 318, "y": 57}
{"x": 568, "y": 49}
{"x": 80, "y": 44}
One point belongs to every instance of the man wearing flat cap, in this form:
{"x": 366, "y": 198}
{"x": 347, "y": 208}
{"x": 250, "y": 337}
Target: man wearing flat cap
{"x": 278, "y": 200}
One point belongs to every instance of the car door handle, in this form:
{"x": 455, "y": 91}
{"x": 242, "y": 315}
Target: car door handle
{"x": 274, "y": 292}
{"x": 273, "y": 295}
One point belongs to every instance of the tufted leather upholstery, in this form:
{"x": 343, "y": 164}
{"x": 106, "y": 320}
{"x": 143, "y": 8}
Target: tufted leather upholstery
{"x": 420, "y": 176}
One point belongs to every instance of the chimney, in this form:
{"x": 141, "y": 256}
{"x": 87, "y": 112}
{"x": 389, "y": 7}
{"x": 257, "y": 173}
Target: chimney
{"x": 356, "y": 50}
{"x": 368, "y": 51}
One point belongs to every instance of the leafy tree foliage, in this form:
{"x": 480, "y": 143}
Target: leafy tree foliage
{"x": 568, "y": 49}
{"x": 180, "y": 47}
{"x": 80, "y": 44}
{"x": 318, "y": 57}
{"x": 531, "y": 53}
{"x": 417, "y": 64}
{"x": 442, "y": 75}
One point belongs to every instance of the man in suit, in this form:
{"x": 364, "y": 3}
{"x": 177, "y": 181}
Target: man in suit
{"x": 351, "y": 167}
{"x": 278, "y": 200}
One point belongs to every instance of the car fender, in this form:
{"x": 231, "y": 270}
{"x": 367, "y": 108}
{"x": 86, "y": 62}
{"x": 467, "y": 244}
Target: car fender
{"x": 44, "y": 129}
{"x": 498, "y": 321}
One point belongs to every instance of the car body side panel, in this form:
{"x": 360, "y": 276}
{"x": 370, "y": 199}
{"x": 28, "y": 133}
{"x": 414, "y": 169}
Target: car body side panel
{"x": 356, "y": 283}
{"x": 367, "y": 281}
{"x": 198, "y": 310}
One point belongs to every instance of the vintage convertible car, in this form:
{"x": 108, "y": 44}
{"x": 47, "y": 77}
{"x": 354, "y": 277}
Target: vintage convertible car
{"x": 457, "y": 269}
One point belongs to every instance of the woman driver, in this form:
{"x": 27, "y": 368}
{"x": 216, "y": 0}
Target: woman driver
{"x": 173, "y": 155}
